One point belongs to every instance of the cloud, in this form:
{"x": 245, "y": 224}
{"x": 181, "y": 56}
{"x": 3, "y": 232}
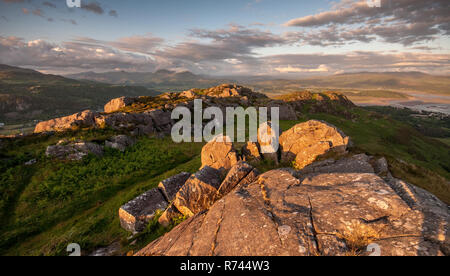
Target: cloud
{"x": 229, "y": 51}
{"x": 144, "y": 44}
{"x": 113, "y": 13}
{"x": 69, "y": 56}
{"x": 290, "y": 69}
{"x": 401, "y": 21}
{"x": 92, "y": 7}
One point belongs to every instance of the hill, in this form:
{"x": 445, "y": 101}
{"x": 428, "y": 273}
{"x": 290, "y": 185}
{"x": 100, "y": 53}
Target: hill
{"x": 48, "y": 203}
{"x": 374, "y": 84}
{"x": 161, "y": 80}
{"x": 27, "y": 95}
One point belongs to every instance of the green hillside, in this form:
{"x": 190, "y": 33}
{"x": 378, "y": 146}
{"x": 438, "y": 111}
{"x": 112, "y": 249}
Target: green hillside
{"x": 27, "y": 95}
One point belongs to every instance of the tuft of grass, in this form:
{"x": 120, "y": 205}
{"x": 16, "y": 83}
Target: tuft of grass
{"x": 357, "y": 237}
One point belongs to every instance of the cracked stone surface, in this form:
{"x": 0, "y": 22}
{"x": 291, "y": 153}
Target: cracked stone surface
{"x": 316, "y": 214}
{"x": 199, "y": 192}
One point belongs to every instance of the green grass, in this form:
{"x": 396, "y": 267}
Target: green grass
{"x": 57, "y": 203}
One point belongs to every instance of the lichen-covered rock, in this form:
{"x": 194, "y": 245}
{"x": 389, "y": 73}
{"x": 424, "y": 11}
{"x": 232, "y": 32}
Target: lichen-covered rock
{"x": 73, "y": 151}
{"x": 136, "y": 214}
{"x": 318, "y": 214}
{"x": 305, "y": 142}
{"x": 73, "y": 122}
{"x": 199, "y": 192}
{"x": 162, "y": 120}
{"x": 219, "y": 153}
{"x": 119, "y": 103}
{"x": 251, "y": 152}
{"x": 120, "y": 142}
{"x": 172, "y": 185}
{"x": 240, "y": 174}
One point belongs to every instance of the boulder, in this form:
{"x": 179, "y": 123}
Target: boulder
{"x": 172, "y": 185}
{"x": 73, "y": 151}
{"x": 219, "y": 153}
{"x": 305, "y": 142}
{"x": 120, "y": 142}
{"x": 240, "y": 174}
{"x": 199, "y": 192}
{"x": 162, "y": 120}
{"x": 119, "y": 103}
{"x": 268, "y": 142}
{"x": 251, "y": 152}
{"x": 72, "y": 122}
{"x": 319, "y": 214}
{"x": 136, "y": 214}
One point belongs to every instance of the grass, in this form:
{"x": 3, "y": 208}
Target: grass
{"x": 59, "y": 203}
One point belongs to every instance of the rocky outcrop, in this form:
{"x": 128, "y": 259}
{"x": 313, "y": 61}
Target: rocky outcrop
{"x": 120, "y": 142}
{"x": 336, "y": 210}
{"x": 73, "y": 151}
{"x": 219, "y": 153}
{"x": 305, "y": 142}
{"x": 76, "y": 121}
{"x": 136, "y": 214}
{"x": 119, "y": 103}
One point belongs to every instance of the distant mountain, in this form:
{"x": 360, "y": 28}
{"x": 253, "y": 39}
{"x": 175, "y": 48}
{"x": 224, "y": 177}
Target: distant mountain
{"x": 27, "y": 95}
{"x": 408, "y": 82}
{"x": 161, "y": 79}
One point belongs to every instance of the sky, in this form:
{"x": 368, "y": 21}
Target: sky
{"x": 224, "y": 38}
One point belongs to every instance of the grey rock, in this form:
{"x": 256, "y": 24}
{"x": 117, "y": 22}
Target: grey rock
{"x": 74, "y": 151}
{"x": 172, "y": 185}
{"x": 137, "y": 213}
{"x": 120, "y": 142}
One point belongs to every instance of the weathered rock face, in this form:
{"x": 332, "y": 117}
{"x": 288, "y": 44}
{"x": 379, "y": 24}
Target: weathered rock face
{"x": 119, "y": 103}
{"x": 240, "y": 174}
{"x": 320, "y": 213}
{"x": 72, "y": 122}
{"x": 136, "y": 214}
{"x": 73, "y": 151}
{"x": 120, "y": 142}
{"x": 305, "y": 142}
{"x": 199, "y": 192}
{"x": 219, "y": 153}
